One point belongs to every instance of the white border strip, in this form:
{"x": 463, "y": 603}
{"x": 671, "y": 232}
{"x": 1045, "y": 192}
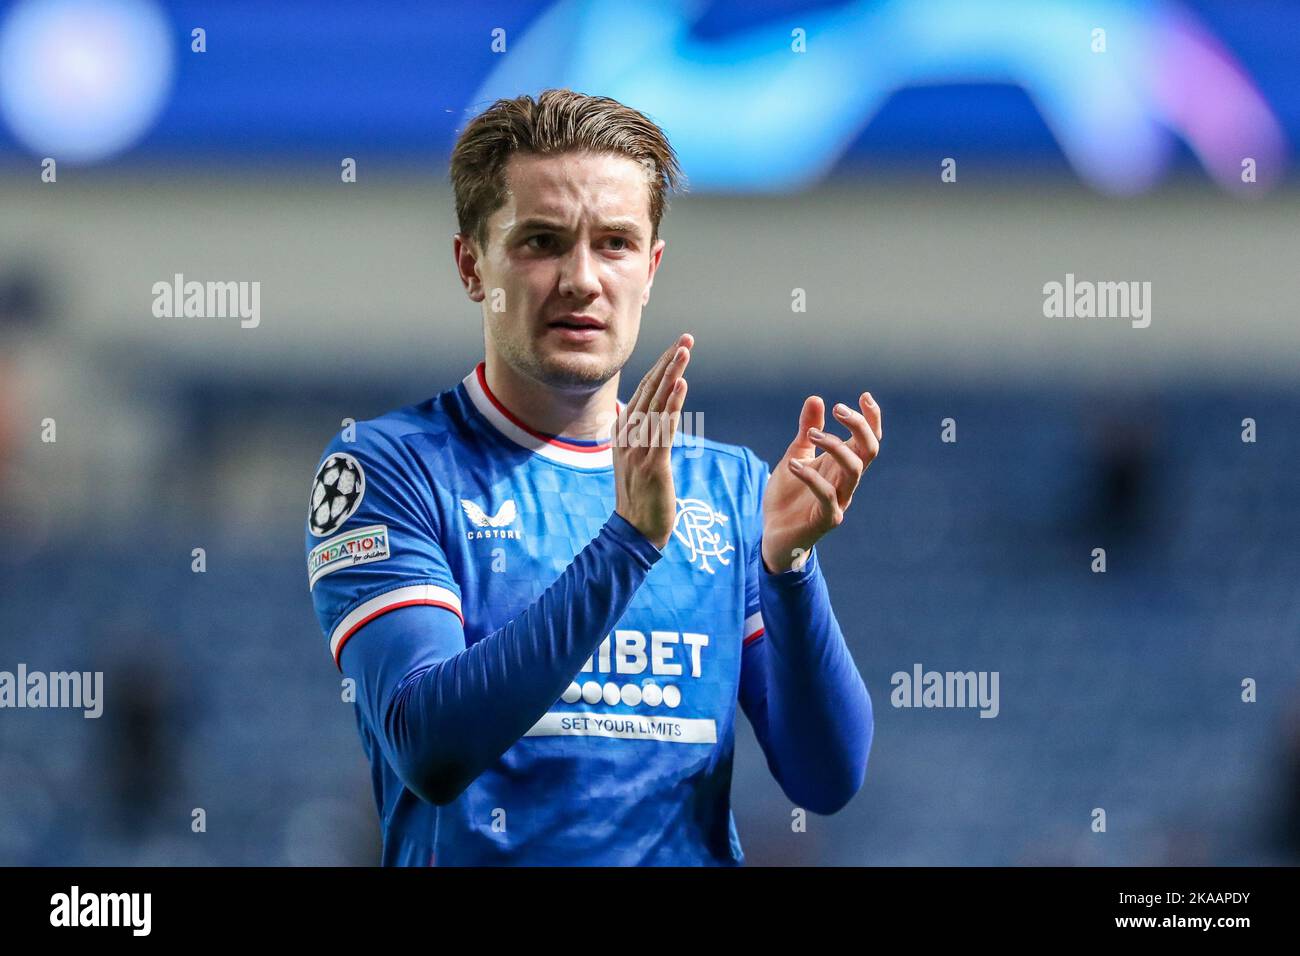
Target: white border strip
{"x": 673, "y": 730}
{"x": 412, "y": 594}
{"x": 753, "y": 624}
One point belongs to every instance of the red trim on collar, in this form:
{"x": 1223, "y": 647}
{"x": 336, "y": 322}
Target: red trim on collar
{"x": 480, "y": 370}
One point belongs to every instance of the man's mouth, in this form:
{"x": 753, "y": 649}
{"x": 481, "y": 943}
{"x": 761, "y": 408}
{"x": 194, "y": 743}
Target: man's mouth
{"x": 579, "y": 322}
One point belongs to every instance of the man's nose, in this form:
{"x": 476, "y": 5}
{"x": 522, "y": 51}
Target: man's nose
{"x": 578, "y": 272}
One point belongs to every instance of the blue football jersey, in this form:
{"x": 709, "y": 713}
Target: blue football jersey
{"x": 457, "y": 504}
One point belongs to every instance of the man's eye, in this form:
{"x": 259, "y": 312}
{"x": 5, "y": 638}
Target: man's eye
{"x": 619, "y": 239}
{"x": 540, "y": 241}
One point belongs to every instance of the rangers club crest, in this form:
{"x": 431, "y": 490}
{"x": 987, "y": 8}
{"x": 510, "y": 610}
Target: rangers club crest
{"x": 699, "y": 527}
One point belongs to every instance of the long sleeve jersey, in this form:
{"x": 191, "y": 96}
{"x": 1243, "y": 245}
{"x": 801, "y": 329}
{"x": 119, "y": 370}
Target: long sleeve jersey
{"x": 535, "y": 681}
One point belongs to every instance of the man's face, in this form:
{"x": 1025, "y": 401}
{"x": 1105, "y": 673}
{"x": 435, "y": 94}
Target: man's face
{"x": 570, "y": 247}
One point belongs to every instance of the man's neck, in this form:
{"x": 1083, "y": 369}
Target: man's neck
{"x": 578, "y": 414}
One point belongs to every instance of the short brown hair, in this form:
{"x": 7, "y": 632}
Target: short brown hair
{"x": 558, "y": 121}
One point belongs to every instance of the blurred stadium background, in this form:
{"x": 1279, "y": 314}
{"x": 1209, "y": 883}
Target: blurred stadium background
{"x": 818, "y": 171}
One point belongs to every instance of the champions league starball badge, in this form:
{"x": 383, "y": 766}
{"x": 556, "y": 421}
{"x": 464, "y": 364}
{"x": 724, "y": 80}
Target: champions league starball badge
{"x": 336, "y": 493}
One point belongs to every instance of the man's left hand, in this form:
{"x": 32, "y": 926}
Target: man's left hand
{"x": 808, "y": 494}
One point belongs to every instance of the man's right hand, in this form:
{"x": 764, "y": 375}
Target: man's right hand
{"x": 643, "y": 439}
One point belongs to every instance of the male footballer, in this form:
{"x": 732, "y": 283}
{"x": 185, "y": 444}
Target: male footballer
{"x": 549, "y": 610}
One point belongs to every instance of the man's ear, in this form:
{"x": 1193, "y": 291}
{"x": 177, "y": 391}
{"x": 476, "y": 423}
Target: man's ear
{"x": 656, "y": 254}
{"x": 464, "y": 251}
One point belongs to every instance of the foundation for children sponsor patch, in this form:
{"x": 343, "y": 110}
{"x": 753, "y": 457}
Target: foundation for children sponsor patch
{"x": 360, "y": 546}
